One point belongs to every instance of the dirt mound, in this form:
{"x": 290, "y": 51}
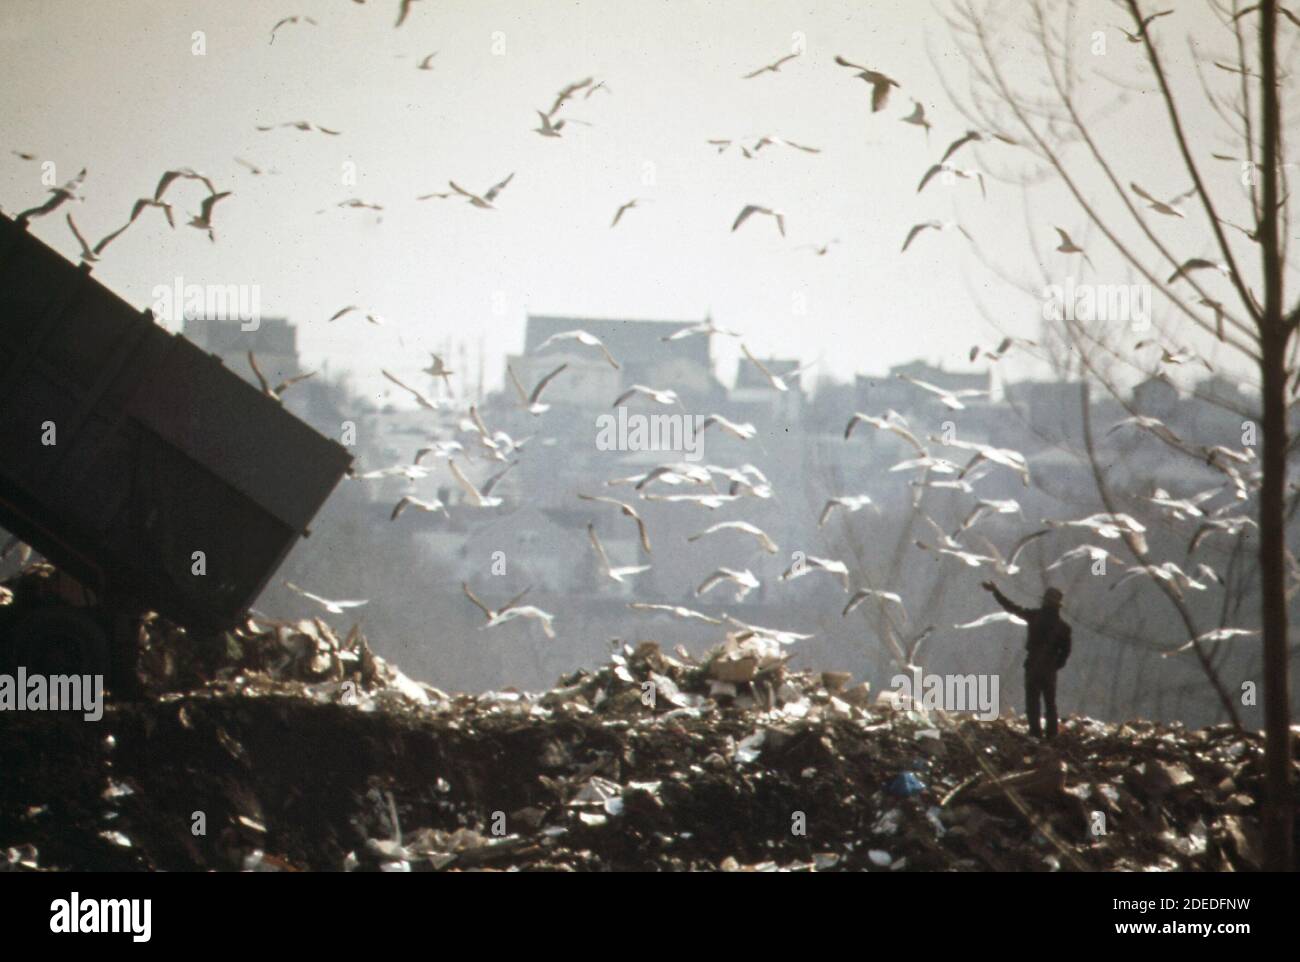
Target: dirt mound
{"x": 282, "y": 746}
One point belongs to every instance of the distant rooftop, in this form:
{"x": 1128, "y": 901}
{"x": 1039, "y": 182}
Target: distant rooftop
{"x": 749, "y": 376}
{"x": 274, "y": 335}
{"x": 635, "y": 341}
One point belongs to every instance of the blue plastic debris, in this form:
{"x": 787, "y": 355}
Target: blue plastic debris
{"x": 905, "y": 785}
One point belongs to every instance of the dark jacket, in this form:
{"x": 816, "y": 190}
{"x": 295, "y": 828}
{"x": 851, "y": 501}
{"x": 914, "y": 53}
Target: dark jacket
{"x": 1049, "y": 637}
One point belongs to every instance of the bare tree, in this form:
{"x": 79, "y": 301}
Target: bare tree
{"x": 1061, "y": 127}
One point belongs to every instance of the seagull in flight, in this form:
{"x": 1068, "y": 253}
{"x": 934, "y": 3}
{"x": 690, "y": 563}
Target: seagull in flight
{"x": 182, "y": 173}
{"x": 770, "y": 140}
{"x": 137, "y": 208}
{"x": 439, "y": 449}
{"x": 88, "y": 254}
{"x": 333, "y": 607}
{"x": 671, "y": 474}
{"x": 1198, "y": 264}
{"x": 1006, "y": 457}
{"x": 616, "y": 574}
{"x": 765, "y": 542}
{"x": 511, "y": 610}
{"x": 994, "y": 618}
{"x": 58, "y": 196}
{"x": 1169, "y": 207}
{"x": 917, "y": 118}
{"x": 710, "y": 501}
{"x": 531, "y": 402}
{"x": 480, "y": 496}
{"x": 705, "y": 327}
{"x": 484, "y": 202}
{"x": 667, "y": 396}
{"x": 409, "y": 501}
{"x": 1067, "y": 246}
{"x": 972, "y": 137}
{"x": 582, "y": 337}
{"x": 1109, "y": 526}
{"x": 955, "y": 171}
{"x": 892, "y": 422}
{"x": 769, "y": 634}
{"x": 880, "y": 83}
{"x": 438, "y": 368}
{"x": 850, "y": 503}
{"x": 1008, "y": 566}
{"x": 774, "y": 67}
{"x": 288, "y": 20}
{"x": 744, "y": 581}
{"x": 568, "y": 92}
{"x": 370, "y": 316}
{"x": 999, "y": 352}
{"x": 628, "y": 510}
{"x": 254, "y": 169}
{"x": 203, "y": 220}
{"x": 618, "y": 214}
{"x": 1213, "y": 636}
{"x": 985, "y": 507}
{"x": 427, "y": 62}
{"x": 949, "y": 399}
{"x": 744, "y": 432}
{"x": 403, "y": 11}
{"x": 1091, "y": 552}
{"x": 1151, "y": 424}
{"x": 553, "y": 128}
{"x": 966, "y": 557}
{"x": 1168, "y": 572}
{"x": 777, "y": 381}
{"x": 750, "y": 209}
{"x": 422, "y": 399}
{"x": 277, "y": 391}
{"x": 1180, "y": 509}
{"x": 677, "y": 611}
{"x": 306, "y": 126}
{"x": 821, "y": 250}
{"x": 811, "y": 564}
{"x": 862, "y": 594}
{"x": 934, "y": 225}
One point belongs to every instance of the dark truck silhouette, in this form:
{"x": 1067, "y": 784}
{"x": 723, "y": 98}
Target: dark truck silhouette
{"x": 138, "y": 465}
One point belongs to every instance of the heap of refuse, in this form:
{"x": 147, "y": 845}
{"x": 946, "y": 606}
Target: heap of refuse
{"x": 283, "y": 746}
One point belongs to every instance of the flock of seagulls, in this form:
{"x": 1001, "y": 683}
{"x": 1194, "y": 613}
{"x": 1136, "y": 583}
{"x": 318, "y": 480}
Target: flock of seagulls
{"x": 699, "y": 485}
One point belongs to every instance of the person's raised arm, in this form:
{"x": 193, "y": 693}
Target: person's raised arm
{"x": 1006, "y": 603}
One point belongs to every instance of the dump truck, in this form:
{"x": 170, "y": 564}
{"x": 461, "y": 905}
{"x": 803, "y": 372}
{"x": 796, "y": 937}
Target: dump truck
{"x": 148, "y": 474}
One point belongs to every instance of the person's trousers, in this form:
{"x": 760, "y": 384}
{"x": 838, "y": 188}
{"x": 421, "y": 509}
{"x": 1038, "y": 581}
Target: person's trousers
{"x": 1040, "y": 693}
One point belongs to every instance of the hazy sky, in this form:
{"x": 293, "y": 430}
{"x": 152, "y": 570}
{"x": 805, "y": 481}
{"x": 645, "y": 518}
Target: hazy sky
{"x": 115, "y": 86}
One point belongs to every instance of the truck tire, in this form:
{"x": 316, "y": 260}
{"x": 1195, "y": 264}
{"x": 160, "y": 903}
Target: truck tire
{"x": 59, "y": 641}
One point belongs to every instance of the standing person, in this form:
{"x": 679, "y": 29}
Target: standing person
{"x": 1047, "y": 649}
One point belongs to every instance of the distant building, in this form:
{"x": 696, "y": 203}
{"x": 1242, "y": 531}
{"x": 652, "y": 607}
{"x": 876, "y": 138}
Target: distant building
{"x": 1052, "y": 410}
{"x": 1156, "y": 397}
{"x": 685, "y": 365}
{"x": 274, "y": 342}
{"x": 876, "y": 395}
{"x": 755, "y": 397}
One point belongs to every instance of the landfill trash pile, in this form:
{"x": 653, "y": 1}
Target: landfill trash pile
{"x": 284, "y": 747}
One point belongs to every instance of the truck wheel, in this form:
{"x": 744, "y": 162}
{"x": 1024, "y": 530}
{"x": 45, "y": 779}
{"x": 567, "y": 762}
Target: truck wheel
{"x": 60, "y": 641}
